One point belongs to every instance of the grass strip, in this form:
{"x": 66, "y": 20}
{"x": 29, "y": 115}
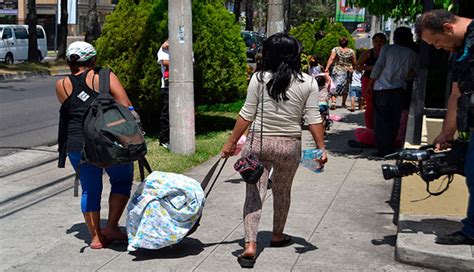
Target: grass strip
{"x": 212, "y": 130}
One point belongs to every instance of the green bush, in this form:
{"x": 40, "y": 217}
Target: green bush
{"x": 220, "y": 57}
{"x": 130, "y": 39}
{"x": 322, "y": 48}
{"x": 132, "y": 36}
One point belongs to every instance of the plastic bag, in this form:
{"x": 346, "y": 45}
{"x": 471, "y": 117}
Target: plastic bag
{"x": 308, "y": 159}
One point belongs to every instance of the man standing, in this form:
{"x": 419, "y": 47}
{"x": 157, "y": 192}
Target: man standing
{"x": 388, "y": 82}
{"x": 456, "y": 34}
{"x": 164, "y": 60}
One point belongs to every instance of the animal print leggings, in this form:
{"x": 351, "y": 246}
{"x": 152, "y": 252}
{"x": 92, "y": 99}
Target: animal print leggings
{"x": 283, "y": 154}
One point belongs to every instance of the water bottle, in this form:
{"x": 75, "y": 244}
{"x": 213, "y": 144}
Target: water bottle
{"x": 308, "y": 159}
{"x": 137, "y": 118}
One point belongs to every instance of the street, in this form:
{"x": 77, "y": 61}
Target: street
{"x": 29, "y": 113}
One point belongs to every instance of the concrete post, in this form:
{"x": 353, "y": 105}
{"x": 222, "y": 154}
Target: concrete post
{"x": 276, "y": 17}
{"x": 181, "y": 96}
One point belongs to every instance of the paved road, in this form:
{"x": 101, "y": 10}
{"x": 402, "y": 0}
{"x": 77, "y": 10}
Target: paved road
{"x": 29, "y": 113}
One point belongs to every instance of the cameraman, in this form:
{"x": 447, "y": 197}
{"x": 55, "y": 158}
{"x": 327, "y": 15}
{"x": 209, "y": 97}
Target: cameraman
{"x": 447, "y": 31}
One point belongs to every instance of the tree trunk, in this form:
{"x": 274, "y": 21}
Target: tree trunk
{"x": 62, "y": 35}
{"x": 32, "y": 41}
{"x": 237, "y": 9}
{"x": 249, "y": 15}
{"x": 92, "y": 27}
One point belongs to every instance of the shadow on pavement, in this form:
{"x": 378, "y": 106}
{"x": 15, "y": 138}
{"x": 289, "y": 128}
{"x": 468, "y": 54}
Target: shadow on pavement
{"x": 390, "y": 240}
{"x": 436, "y": 226}
{"x": 187, "y": 247}
{"x": 300, "y": 244}
{"x": 82, "y": 233}
{"x": 235, "y": 181}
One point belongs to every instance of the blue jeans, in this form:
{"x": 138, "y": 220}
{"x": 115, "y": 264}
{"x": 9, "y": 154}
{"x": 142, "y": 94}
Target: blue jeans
{"x": 468, "y": 222}
{"x": 121, "y": 178}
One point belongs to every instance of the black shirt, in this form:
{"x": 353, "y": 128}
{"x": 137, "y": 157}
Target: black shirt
{"x": 71, "y": 114}
{"x": 463, "y": 66}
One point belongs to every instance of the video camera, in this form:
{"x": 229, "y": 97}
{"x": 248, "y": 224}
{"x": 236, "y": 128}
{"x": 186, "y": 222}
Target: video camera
{"x": 427, "y": 162}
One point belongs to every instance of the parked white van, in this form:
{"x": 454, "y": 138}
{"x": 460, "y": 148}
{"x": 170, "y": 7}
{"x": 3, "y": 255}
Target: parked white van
{"x": 14, "y": 43}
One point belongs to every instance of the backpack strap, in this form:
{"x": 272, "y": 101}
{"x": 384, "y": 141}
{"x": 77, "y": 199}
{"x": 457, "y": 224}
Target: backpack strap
{"x": 104, "y": 81}
{"x": 142, "y": 165}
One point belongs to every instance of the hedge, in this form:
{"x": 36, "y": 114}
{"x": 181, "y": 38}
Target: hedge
{"x": 133, "y": 33}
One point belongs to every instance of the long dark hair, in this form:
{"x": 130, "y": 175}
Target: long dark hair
{"x": 281, "y": 57}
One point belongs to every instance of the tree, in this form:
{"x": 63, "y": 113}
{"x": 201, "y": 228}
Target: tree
{"x": 402, "y": 8}
{"x": 237, "y": 9}
{"x": 306, "y": 34}
{"x": 133, "y": 34}
{"x": 62, "y": 33}
{"x": 308, "y": 10}
{"x": 249, "y": 15}
{"x": 32, "y": 41}
{"x": 92, "y": 27}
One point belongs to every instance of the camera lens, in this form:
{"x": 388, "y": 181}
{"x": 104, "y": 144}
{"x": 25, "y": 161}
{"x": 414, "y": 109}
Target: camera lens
{"x": 398, "y": 171}
{"x": 389, "y": 171}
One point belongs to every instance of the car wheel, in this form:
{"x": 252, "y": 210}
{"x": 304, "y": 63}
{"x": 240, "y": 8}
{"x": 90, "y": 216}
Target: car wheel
{"x": 40, "y": 56}
{"x": 9, "y": 58}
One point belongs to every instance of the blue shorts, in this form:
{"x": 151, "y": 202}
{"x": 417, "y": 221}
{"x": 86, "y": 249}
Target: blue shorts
{"x": 121, "y": 178}
{"x": 323, "y": 108}
{"x": 355, "y": 91}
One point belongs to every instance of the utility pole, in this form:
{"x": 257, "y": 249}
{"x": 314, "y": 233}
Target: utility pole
{"x": 276, "y": 17}
{"x": 181, "y": 97}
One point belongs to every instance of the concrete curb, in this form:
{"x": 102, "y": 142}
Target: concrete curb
{"x": 23, "y": 75}
{"x": 26, "y": 159}
{"x": 415, "y": 243}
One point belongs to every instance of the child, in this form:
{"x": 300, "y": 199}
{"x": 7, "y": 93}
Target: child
{"x": 314, "y": 67}
{"x": 355, "y": 91}
{"x": 323, "y": 81}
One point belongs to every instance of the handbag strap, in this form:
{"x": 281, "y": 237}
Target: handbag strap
{"x": 261, "y": 126}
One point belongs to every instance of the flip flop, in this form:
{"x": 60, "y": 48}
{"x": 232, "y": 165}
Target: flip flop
{"x": 282, "y": 243}
{"x": 246, "y": 261}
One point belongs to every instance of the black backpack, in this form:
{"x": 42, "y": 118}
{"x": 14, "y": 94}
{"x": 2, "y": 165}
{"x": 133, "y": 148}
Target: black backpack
{"x": 111, "y": 134}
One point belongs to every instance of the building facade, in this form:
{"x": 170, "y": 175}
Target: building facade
{"x": 16, "y": 11}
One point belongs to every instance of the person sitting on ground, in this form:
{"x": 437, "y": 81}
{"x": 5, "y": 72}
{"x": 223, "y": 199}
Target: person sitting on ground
{"x": 287, "y": 94}
{"x": 75, "y": 92}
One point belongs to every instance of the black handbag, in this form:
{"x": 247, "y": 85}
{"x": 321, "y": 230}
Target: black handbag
{"x": 250, "y": 167}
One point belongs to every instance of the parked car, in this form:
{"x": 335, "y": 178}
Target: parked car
{"x": 14, "y": 43}
{"x": 253, "y": 42}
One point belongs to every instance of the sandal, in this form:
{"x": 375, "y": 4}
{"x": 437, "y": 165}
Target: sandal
{"x": 246, "y": 261}
{"x": 282, "y": 243}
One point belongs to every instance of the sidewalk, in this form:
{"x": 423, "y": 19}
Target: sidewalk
{"x": 6, "y": 74}
{"x": 342, "y": 219}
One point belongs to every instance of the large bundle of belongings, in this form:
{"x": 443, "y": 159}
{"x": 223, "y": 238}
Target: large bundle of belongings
{"x": 165, "y": 208}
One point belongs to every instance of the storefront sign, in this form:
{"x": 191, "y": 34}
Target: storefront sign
{"x": 348, "y": 13}
{"x": 9, "y": 7}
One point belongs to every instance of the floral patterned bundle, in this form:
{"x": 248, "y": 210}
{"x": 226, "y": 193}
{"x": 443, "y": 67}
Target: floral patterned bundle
{"x": 163, "y": 209}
